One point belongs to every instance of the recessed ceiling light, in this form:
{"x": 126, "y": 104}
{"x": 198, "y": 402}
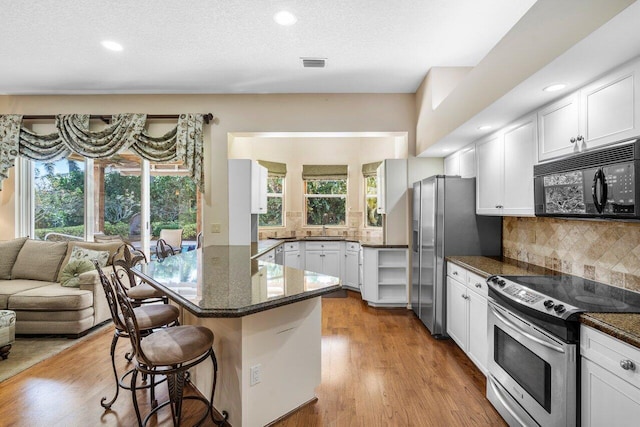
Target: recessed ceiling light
{"x": 485, "y": 127}
{"x": 555, "y": 87}
{"x": 111, "y": 45}
{"x": 286, "y": 18}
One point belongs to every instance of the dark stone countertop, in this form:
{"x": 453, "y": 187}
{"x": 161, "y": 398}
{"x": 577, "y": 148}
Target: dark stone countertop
{"x": 624, "y": 326}
{"x": 227, "y": 281}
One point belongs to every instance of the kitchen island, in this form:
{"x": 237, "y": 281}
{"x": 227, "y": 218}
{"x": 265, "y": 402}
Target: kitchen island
{"x": 266, "y": 319}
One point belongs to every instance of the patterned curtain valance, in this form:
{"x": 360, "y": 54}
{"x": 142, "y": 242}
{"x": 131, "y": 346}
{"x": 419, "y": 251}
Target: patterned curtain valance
{"x": 126, "y": 131}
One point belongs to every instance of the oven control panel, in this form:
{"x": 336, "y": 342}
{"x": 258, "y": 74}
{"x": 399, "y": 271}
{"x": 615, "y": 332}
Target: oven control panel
{"x": 520, "y": 294}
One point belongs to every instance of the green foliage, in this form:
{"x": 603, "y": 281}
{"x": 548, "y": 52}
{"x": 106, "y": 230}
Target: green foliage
{"x": 326, "y": 210}
{"x": 116, "y": 229}
{"x": 189, "y": 231}
{"x": 373, "y": 218}
{"x": 59, "y": 198}
{"x": 273, "y": 217}
{"x": 321, "y": 186}
{"x": 76, "y": 230}
{"x": 173, "y": 198}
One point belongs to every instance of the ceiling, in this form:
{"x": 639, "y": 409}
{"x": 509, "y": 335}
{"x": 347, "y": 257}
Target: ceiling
{"x": 222, "y": 46}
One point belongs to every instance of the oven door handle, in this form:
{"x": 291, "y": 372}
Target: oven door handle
{"x": 491, "y": 381}
{"x": 515, "y": 327}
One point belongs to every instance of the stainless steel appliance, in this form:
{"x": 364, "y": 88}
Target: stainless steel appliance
{"x": 601, "y": 183}
{"x": 445, "y": 223}
{"x": 533, "y": 377}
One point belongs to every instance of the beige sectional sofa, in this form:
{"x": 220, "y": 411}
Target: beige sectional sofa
{"x": 30, "y": 273}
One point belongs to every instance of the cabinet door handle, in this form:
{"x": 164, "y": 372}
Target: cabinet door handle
{"x": 580, "y": 137}
{"x": 572, "y": 140}
{"x": 455, "y": 273}
{"x": 499, "y": 206}
{"x": 628, "y": 365}
{"x": 464, "y": 296}
{"x": 478, "y": 285}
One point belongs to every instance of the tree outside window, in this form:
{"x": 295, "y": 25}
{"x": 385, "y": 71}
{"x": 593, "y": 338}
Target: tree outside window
{"x": 374, "y": 219}
{"x": 325, "y": 201}
{"x": 275, "y": 203}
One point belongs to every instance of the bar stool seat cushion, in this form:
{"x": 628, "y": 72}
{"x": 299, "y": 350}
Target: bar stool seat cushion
{"x": 176, "y": 345}
{"x": 152, "y": 316}
{"x": 144, "y": 291}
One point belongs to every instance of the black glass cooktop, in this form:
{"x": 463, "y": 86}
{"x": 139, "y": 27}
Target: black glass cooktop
{"x": 587, "y": 295}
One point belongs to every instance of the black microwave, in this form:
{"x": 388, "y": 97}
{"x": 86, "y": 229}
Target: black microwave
{"x": 602, "y": 183}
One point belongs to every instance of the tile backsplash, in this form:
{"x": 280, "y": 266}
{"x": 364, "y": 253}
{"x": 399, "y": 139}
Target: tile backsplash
{"x": 605, "y": 251}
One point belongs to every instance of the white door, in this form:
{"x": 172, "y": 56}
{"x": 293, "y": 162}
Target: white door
{"x": 607, "y": 400}
{"x": 331, "y": 263}
{"x": 457, "y": 312}
{"x": 558, "y": 125}
{"x": 610, "y": 107}
{"x": 292, "y": 259}
{"x": 313, "y": 261}
{"x": 468, "y": 163}
{"x": 478, "y": 350}
{"x": 489, "y": 180}
{"x": 351, "y": 270}
{"x": 519, "y": 152}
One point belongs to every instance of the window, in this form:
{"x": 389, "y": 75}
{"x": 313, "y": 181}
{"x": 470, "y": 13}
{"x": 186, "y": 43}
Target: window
{"x": 325, "y": 201}
{"x": 374, "y": 219}
{"x": 275, "y": 203}
{"x": 59, "y": 198}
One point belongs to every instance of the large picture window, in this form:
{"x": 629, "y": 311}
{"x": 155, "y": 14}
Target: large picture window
{"x": 325, "y": 201}
{"x": 275, "y": 203}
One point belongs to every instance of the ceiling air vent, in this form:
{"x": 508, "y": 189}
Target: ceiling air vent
{"x": 314, "y": 62}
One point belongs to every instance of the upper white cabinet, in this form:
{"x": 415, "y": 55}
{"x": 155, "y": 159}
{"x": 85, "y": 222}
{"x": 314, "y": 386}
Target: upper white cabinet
{"x": 247, "y": 197}
{"x": 505, "y": 160}
{"x": 462, "y": 162}
{"x": 605, "y": 111}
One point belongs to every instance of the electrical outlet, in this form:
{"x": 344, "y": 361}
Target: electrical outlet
{"x": 215, "y": 228}
{"x": 255, "y": 375}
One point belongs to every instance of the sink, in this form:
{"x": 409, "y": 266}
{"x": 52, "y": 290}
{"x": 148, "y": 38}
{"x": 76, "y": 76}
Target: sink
{"x": 323, "y": 238}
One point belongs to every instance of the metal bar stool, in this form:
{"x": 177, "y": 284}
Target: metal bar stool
{"x": 140, "y": 292}
{"x": 150, "y": 317}
{"x": 170, "y": 352}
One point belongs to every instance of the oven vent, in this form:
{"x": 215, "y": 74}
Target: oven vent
{"x": 623, "y": 152}
{"x": 314, "y": 62}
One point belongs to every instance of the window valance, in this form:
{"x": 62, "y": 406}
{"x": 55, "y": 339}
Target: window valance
{"x": 126, "y": 131}
{"x": 325, "y": 171}
{"x": 274, "y": 168}
{"x": 370, "y": 169}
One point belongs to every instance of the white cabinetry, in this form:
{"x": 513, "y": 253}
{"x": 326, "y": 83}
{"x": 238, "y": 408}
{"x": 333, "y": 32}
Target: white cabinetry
{"x": 323, "y": 257}
{"x": 247, "y": 197}
{"x": 605, "y": 111}
{"x": 392, "y": 199}
{"x": 269, "y": 256}
{"x": 385, "y": 281}
{"x": 610, "y": 380}
{"x": 462, "y": 162}
{"x": 467, "y": 313}
{"x": 351, "y": 278}
{"x": 292, "y": 255}
{"x": 505, "y": 160}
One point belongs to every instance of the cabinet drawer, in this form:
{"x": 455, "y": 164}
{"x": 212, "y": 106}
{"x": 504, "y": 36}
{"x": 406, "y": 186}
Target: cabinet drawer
{"x": 457, "y": 272}
{"x": 477, "y": 283}
{"x": 319, "y": 246}
{"x": 292, "y": 246}
{"x": 611, "y": 354}
{"x": 353, "y": 246}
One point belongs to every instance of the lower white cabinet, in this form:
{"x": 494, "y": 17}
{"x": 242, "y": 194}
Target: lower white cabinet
{"x": 323, "y": 257}
{"x": 292, "y": 255}
{"x": 385, "y": 276}
{"x": 610, "y": 380}
{"x": 467, "y": 313}
{"x": 351, "y": 278}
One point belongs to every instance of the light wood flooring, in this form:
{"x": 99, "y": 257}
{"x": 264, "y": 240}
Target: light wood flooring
{"x": 379, "y": 368}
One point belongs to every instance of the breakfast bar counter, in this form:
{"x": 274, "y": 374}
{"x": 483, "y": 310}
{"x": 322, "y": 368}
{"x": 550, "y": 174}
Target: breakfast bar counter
{"x": 266, "y": 319}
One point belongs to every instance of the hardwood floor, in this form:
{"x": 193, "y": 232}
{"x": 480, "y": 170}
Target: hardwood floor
{"x": 379, "y": 368}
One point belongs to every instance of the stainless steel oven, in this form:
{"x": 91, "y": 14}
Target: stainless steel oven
{"x": 534, "y": 333}
{"x": 532, "y": 374}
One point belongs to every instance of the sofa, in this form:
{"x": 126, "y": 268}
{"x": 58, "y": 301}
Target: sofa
{"x": 30, "y": 284}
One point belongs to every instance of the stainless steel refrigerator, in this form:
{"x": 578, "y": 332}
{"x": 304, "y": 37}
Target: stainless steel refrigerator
{"x": 445, "y": 224}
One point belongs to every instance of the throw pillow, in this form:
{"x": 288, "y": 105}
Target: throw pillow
{"x": 72, "y": 270}
{"x": 39, "y": 260}
{"x": 8, "y": 253}
{"x": 79, "y": 253}
{"x": 112, "y": 247}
